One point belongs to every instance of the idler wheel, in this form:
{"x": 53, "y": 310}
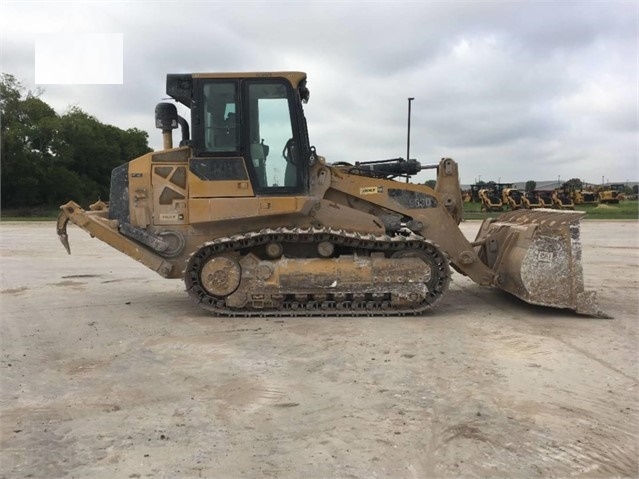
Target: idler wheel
{"x": 430, "y": 265}
{"x": 220, "y": 276}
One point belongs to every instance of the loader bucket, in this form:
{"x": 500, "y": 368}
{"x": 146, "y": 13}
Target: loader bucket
{"x": 536, "y": 255}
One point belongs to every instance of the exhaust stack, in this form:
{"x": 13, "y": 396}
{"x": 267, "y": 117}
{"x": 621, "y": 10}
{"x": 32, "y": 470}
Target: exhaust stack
{"x": 166, "y": 119}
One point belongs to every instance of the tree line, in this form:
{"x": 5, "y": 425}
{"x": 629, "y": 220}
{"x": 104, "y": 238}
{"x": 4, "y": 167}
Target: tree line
{"x": 48, "y": 159}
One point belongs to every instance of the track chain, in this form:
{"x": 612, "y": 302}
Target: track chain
{"x": 291, "y": 307}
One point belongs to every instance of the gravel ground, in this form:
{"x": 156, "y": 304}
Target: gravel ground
{"x": 109, "y": 371}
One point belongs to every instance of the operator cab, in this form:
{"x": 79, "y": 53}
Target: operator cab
{"x": 247, "y": 124}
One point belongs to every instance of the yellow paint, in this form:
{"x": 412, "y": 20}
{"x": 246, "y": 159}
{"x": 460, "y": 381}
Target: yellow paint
{"x": 140, "y": 191}
{"x": 203, "y": 210}
{"x": 293, "y": 77}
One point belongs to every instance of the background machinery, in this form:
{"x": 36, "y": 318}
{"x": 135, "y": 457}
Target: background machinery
{"x": 611, "y": 194}
{"x": 584, "y": 197}
{"x": 561, "y": 200}
{"x": 532, "y": 200}
{"x": 490, "y": 199}
{"x": 256, "y": 222}
{"x": 512, "y": 198}
{"x": 545, "y": 197}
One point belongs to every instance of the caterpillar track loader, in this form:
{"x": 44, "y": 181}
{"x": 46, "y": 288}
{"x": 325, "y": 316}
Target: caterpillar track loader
{"x": 512, "y": 198}
{"x": 584, "y": 197}
{"x": 490, "y": 200}
{"x": 611, "y": 194}
{"x": 532, "y": 200}
{"x": 561, "y": 200}
{"x": 257, "y": 223}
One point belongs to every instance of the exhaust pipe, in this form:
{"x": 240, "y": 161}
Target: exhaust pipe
{"x": 167, "y": 119}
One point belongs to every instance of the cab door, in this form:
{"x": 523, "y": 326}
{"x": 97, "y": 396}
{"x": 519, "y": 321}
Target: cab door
{"x": 218, "y": 169}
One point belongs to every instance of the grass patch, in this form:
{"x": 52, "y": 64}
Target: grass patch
{"x": 625, "y": 210}
{"x": 30, "y": 214}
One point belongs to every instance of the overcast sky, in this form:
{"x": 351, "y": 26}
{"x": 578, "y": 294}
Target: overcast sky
{"x": 512, "y": 90}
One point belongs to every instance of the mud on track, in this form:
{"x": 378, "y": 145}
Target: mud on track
{"x": 108, "y": 370}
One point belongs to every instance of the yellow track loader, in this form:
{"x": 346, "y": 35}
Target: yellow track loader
{"x": 545, "y": 198}
{"x": 257, "y": 223}
{"x": 531, "y": 200}
{"x": 611, "y": 194}
{"x": 561, "y": 200}
{"x": 490, "y": 200}
{"x": 512, "y": 198}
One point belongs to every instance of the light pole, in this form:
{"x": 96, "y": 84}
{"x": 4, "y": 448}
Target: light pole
{"x": 408, "y": 138}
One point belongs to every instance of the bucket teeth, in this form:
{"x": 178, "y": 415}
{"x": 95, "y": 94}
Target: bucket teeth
{"x": 541, "y": 217}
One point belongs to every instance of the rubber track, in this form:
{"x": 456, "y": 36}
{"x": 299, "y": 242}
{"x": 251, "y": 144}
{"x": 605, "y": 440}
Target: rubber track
{"x": 315, "y": 235}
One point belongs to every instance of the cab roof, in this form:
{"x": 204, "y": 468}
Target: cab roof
{"x": 294, "y": 77}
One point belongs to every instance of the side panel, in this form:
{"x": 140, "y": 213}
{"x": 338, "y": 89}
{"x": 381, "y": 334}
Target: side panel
{"x": 169, "y": 194}
{"x": 140, "y": 195}
{"x": 203, "y": 210}
{"x": 218, "y": 177}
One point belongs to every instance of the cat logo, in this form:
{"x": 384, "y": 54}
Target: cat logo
{"x": 371, "y": 190}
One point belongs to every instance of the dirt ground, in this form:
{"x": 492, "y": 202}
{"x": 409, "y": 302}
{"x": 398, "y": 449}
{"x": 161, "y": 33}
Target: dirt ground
{"x": 109, "y": 371}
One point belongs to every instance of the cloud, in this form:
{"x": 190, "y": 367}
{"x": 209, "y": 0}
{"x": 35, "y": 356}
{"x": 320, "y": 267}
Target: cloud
{"x": 520, "y": 90}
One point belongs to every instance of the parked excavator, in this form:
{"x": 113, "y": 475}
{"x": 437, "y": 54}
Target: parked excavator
{"x": 257, "y": 223}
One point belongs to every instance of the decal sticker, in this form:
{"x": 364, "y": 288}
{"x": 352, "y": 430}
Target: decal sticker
{"x": 371, "y": 190}
{"x": 171, "y": 217}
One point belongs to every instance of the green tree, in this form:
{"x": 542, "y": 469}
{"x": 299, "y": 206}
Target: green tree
{"x": 531, "y": 185}
{"x": 48, "y": 159}
{"x": 27, "y": 132}
{"x": 430, "y": 183}
{"x": 573, "y": 184}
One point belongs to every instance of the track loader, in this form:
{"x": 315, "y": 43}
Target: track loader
{"x": 532, "y": 200}
{"x": 561, "y": 200}
{"x": 512, "y": 198}
{"x": 257, "y": 223}
{"x": 490, "y": 200}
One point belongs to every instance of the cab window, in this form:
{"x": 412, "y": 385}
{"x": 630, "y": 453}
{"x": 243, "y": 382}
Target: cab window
{"x": 272, "y": 149}
{"x": 221, "y": 131}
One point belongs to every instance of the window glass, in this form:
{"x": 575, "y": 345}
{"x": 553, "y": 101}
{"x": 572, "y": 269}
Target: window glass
{"x": 272, "y": 149}
{"x": 221, "y": 132}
